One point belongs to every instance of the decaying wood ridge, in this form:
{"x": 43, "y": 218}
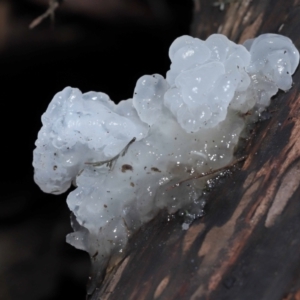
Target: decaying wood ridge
{"x": 248, "y": 244}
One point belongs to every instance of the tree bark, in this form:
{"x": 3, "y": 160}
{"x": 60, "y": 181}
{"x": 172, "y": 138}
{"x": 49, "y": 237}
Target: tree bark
{"x": 247, "y": 246}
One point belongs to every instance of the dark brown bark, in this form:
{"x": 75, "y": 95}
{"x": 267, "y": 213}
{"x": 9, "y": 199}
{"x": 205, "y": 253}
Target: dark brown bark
{"x": 248, "y": 244}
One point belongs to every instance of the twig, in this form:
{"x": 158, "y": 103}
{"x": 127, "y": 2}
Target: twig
{"x": 208, "y": 173}
{"x": 109, "y": 162}
{"x": 53, "y": 5}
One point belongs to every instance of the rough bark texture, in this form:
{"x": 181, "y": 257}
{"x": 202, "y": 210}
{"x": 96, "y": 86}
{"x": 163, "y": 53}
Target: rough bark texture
{"x": 248, "y": 244}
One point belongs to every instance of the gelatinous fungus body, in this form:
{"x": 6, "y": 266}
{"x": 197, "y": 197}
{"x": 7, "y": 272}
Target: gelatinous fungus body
{"x": 123, "y": 158}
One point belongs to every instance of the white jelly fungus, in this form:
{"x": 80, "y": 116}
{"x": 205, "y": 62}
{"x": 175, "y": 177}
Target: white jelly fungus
{"x": 123, "y": 158}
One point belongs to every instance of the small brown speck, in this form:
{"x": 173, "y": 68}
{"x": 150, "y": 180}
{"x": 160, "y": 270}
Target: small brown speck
{"x": 127, "y": 168}
{"x": 54, "y": 168}
{"x": 105, "y": 205}
{"x": 132, "y": 184}
{"x": 95, "y": 254}
{"x": 155, "y": 169}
